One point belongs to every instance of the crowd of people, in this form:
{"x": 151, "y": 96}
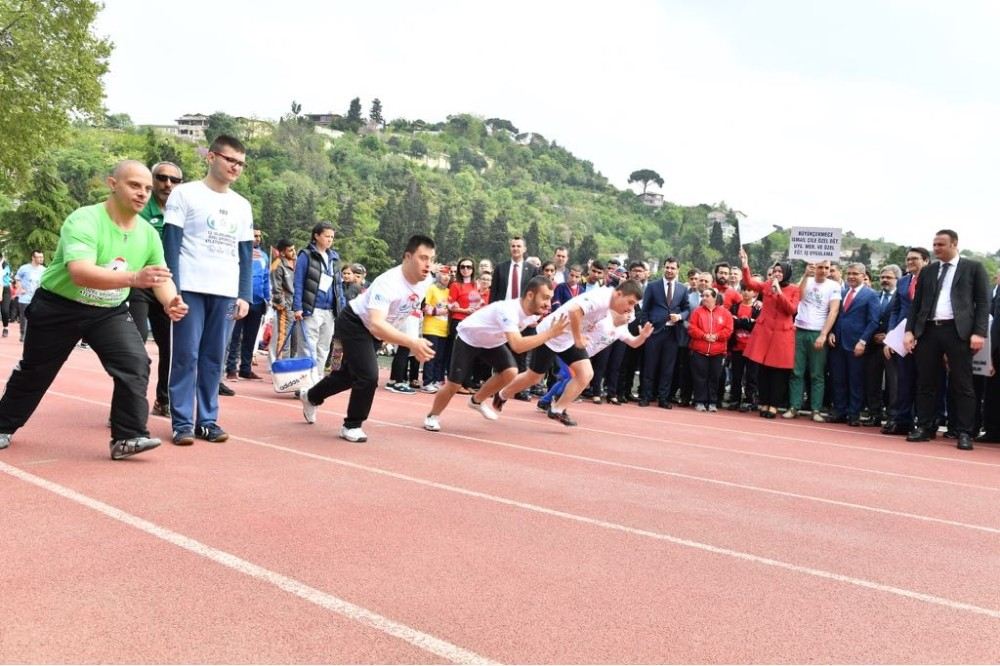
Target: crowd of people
{"x": 182, "y": 260}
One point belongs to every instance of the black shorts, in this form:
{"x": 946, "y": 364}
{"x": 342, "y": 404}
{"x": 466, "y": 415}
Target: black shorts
{"x": 543, "y": 358}
{"x": 464, "y": 355}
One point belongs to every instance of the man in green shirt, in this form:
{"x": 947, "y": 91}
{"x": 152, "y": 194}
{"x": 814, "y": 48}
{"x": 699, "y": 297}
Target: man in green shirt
{"x": 142, "y": 303}
{"x": 104, "y": 251}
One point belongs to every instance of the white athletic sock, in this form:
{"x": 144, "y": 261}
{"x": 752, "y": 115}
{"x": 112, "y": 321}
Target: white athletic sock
{"x": 556, "y": 410}
{"x": 501, "y": 395}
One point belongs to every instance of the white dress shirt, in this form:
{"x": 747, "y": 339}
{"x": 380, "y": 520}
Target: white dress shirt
{"x": 944, "y": 310}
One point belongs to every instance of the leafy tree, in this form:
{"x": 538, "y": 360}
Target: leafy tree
{"x": 863, "y": 255}
{"x": 118, "y": 121}
{"x": 296, "y": 109}
{"x": 393, "y": 227}
{"x": 354, "y": 119}
{"x": 645, "y": 176}
{"x": 51, "y": 69}
{"x": 35, "y": 224}
{"x": 477, "y": 233}
{"x": 498, "y": 241}
{"x": 501, "y": 124}
{"x": 715, "y": 238}
{"x": 345, "y": 221}
{"x": 418, "y": 148}
{"x": 375, "y": 115}
{"x": 588, "y": 249}
{"x": 636, "y": 252}
{"x": 532, "y": 239}
{"x": 414, "y": 210}
{"x": 223, "y": 123}
{"x": 698, "y": 258}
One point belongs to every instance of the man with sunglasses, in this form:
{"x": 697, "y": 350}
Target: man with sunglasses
{"x": 208, "y": 243}
{"x": 142, "y": 303}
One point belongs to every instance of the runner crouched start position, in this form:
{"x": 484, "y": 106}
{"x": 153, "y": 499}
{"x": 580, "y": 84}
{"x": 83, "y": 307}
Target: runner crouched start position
{"x": 493, "y": 333}
{"x": 104, "y": 250}
{"x": 376, "y": 315}
{"x": 612, "y": 328}
{"x": 584, "y": 312}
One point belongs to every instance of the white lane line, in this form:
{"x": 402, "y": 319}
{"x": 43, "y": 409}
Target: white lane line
{"x": 626, "y": 529}
{"x": 322, "y": 599}
{"x": 748, "y": 557}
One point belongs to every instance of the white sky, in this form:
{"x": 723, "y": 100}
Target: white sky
{"x": 881, "y": 117}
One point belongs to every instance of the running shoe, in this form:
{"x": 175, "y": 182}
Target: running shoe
{"x": 308, "y": 409}
{"x": 483, "y": 409}
{"x": 353, "y": 434}
{"x": 211, "y": 433}
{"x": 4, "y": 440}
{"x": 432, "y": 423}
{"x": 125, "y": 448}
{"x": 563, "y": 417}
{"x": 498, "y": 403}
{"x": 183, "y": 438}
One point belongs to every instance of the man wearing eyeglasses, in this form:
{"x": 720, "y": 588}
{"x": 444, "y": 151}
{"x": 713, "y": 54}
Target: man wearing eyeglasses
{"x": 142, "y": 303}
{"x": 208, "y": 243}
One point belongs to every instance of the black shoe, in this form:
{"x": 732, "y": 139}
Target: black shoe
{"x": 871, "y": 422}
{"x": 523, "y": 396}
{"x": 745, "y": 407}
{"x": 920, "y": 435}
{"x": 211, "y": 433}
{"x": 854, "y": 421}
{"x": 538, "y": 390}
{"x": 563, "y": 417}
{"x": 964, "y": 441}
{"x": 543, "y": 406}
{"x": 160, "y": 408}
{"x": 836, "y": 419}
{"x": 988, "y": 438}
{"x": 664, "y": 404}
{"x": 643, "y": 402}
{"x": 250, "y": 375}
{"x": 613, "y": 400}
{"x": 951, "y": 434}
{"x": 225, "y": 390}
{"x": 769, "y": 414}
{"x": 498, "y": 402}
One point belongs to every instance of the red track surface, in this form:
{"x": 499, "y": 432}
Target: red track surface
{"x": 640, "y": 536}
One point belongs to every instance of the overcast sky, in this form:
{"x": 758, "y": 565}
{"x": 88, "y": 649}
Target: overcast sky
{"x": 877, "y": 117}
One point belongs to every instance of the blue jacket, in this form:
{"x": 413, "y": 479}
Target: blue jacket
{"x": 261, "y": 276}
{"x": 900, "y": 308}
{"x": 656, "y": 310}
{"x": 859, "y": 321}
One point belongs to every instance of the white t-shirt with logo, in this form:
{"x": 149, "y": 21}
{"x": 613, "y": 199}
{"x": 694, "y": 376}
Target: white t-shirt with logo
{"x": 814, "y": 304}
{"x": 594, "y": 304}
{"x": 398, "y": 299}
{"x": 604, "y": 333}
{"x": 214, "y": 225}
{"x": 487, "y": 327}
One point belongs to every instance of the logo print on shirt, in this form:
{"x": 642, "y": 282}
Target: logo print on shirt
{"x": 222, "y": 223}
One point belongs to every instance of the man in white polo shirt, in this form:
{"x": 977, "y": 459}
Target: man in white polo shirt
{"x": 493, "y": 334}
{"x": 208, "y": 245}
{"x": 583, "y": 311}
{"x": 378, "y": 314}
{"x": 816, "y": 315}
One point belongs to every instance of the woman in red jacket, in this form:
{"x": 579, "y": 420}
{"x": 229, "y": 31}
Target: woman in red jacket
{"x": 709, "y": 326}
{"x": 772, "y": 343}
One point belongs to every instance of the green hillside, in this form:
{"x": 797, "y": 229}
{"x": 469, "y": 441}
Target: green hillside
{"x": 468, "y": 182}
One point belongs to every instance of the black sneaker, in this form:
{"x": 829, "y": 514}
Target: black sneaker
{"x": 498, "y": 402}
{"x": 543, "y": 406}
{"x": 5, "y": 332}
{"x": 563, "y": 417}
{"x": 225, "y": 390}
{"x": 125, "y": 448}
{"x": 183, "y": 438}
{"x": 211, "y": 433}
{"x": 160, "y": 408}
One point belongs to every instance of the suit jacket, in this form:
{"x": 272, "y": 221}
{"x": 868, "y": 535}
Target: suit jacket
{"x": 970, "y": 292}
{"x": 900, "y": 308}
{"x": 884, "y": 311}
{"x": 859, "y": 321}
{"x": 995, "y": 333}
{"x": 657, "y": 311}
{"x": 501, "y": 274}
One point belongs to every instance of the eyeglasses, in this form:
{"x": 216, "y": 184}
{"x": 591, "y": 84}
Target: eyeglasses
{"x": 162, "y": 177}
{"x": 466, "y": 267}
{"x": 231, "y": 160}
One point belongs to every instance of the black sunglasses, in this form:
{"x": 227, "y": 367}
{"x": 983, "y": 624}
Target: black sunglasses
{"x": 162, "y": 177}
{"x": 469, "y": 266}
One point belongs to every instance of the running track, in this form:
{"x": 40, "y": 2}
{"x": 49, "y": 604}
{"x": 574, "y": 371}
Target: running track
{"x": 639, "y": 536}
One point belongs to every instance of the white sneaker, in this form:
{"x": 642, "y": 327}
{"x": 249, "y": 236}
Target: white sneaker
{"x": 429, "y": 388}
{"x": 431, "y": 423}
{"x": 308, "y": 409}
{"x": 483, "y": 409}
{"x": 353, "y": 434}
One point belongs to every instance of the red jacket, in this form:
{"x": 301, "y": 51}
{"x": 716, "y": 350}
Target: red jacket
{"x": 703, "y": 322}
{"x": 772, "y": 342}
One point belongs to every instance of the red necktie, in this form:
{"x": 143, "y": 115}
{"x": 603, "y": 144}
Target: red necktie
{"x": 913, "y": 286}
{"x": 848, "y": 300}
{"x": 515, "y": 282}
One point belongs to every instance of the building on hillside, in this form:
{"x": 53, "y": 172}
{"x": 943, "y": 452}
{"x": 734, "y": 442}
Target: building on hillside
{"x": 323, "y": 119}
{"x": 255, "y": 127}
{"x": 192, "y": 126}
{"x": 653, "y": 199}
{"x": 728, "y": 227}
{"x": 166, "y": 129}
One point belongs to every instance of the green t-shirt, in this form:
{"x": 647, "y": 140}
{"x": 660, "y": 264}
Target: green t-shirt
{"x": 89, "y": 233}
{"x": 152, "y": 214}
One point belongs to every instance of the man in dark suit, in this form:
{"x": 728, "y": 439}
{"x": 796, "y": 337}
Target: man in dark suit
{"x": 664, "y": 305}
{"x": 878, "y": 366}
{"x": 991, "y": 402}
{"x": 901, "y": 412}
{"x": 510, "y": 278}
{"x": 948, "y": 319}
{"x": 852, "y": 333}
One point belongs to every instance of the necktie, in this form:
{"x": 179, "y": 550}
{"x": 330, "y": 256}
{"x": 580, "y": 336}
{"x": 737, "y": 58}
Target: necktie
{"x": 885, "y": 297}
{"x": 515, "y": 282}
{"x": 913, "y": 286}
{"x": 670, "y": 293}
{"x": 848, "y": 300}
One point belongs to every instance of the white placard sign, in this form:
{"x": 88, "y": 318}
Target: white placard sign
{"x": 814, "y": 243}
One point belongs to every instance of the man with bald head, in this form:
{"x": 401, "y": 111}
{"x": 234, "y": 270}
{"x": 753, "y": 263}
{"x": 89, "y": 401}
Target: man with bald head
{"x": 104, "y": 251}
{"x": 142, "y": 303}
